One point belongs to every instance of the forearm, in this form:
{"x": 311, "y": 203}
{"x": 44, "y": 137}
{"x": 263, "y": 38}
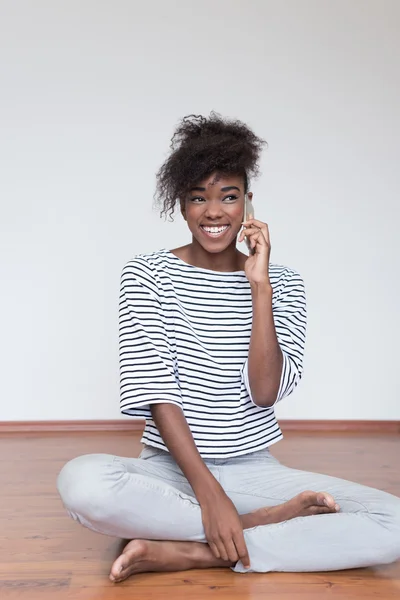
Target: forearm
{"x": 174, "y": 430}
{"x": 265, "y": 358}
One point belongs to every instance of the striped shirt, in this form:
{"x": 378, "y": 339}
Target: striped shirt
{"x": 184, "y": 339}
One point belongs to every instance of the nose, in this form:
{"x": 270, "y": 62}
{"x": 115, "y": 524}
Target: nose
{"x": 213, "y": 210}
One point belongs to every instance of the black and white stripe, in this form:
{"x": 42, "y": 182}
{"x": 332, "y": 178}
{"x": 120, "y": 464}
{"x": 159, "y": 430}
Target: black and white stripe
{"x": 184, "y": 339}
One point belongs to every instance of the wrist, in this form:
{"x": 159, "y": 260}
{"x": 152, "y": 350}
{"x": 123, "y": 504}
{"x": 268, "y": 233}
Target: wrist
{"x": 207, "y": 489}
{"x": 262, "y": 288}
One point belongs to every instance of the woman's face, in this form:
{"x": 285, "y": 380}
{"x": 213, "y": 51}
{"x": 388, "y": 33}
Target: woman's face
{"x": 214, "y": 211}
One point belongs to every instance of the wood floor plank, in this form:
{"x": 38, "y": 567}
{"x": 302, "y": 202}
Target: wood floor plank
{"x": 44, "y": 554}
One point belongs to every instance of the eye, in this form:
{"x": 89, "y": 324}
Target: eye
{"x": 197, "y": 199}
{"x": 231, "y": 198}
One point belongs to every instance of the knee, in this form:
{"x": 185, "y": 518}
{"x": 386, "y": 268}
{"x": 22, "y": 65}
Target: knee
{"x": 81, "y": 483}
{"x": 391, "y": 522}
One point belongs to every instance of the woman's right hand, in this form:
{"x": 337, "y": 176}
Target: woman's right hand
{"x": 223, "y": 528}
{"x": 222, "y": 524}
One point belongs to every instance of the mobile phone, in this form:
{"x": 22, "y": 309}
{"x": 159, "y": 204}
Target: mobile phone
{"x": 248, "y": 214}
{"x": 248, "y": 208}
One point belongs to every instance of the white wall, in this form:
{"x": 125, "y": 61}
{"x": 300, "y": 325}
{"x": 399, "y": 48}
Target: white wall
{"x": 90, "y": 93}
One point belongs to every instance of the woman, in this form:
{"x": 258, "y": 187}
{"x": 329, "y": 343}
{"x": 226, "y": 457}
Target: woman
{"x": 210, "y": 340}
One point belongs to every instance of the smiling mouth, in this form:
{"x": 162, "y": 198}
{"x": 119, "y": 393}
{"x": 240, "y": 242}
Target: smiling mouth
{"x": 214, "y": 232}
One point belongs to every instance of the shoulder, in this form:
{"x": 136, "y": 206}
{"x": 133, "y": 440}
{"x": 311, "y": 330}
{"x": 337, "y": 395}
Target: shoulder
{"x": 144, "y": 269}
{"x": 285, "y": 280}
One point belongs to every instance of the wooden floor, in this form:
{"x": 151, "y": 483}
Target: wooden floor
{"x": 44, "y": 554}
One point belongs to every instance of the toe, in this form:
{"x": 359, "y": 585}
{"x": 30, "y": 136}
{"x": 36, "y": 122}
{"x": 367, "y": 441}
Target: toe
{"x": 122, "y": 562}
{"x": 126, "y": 563}
{"x": 307, "y": 498}
{"x": 117, "y": 568}
{"x": 325, "y": 499}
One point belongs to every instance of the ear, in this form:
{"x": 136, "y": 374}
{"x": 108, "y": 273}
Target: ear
{"x": 183, "y": 209}
{"x": 250, "y": 196}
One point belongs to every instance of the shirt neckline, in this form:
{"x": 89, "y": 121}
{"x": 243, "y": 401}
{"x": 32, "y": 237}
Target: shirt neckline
{"x": 179, "y": 260}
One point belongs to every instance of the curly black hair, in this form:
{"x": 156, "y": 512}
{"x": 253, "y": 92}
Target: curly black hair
{"x": 202, "y": 146}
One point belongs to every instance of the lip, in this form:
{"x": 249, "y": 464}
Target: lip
{"x": 214, "y": 236}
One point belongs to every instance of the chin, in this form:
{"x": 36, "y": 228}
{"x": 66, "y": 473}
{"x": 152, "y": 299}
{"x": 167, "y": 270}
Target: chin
{"x": 213, "y": 248}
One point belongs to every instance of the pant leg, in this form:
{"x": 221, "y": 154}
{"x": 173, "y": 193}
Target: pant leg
{"x": 146, "y": 498}
{"x": 365, "y": 532}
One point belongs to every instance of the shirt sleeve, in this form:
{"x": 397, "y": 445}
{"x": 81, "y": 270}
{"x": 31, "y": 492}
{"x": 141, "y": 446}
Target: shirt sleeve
{"x": 147, "y": 373}
{"x": 290, "y": 318}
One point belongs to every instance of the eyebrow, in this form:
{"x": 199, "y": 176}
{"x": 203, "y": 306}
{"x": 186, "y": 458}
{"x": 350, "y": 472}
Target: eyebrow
{"x": 224, "y": 189}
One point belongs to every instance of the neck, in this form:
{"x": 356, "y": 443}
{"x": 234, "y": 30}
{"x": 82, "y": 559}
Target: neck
{"x": 228, "y": 260}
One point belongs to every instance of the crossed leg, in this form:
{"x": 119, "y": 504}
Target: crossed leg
{"x": 286, "y": 528}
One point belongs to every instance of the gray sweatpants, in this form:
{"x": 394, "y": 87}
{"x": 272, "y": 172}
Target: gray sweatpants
{"x": 149, "y": 498}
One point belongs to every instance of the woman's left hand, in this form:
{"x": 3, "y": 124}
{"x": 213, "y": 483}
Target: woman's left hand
{"x": 257, "y": 265}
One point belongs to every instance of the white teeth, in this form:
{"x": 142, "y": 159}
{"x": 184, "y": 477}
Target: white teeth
{"x": 215, "y": 229}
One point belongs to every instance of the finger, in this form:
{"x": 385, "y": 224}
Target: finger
{"x": 231, "y": 551}
{"x": 214, "y": 549}
{"x": 248, "y": 240}
{"x": 247, "y": 230}
{"x": 250, "y": 249}
{"x": 257, "y": 237}
{"x": 264, "y": 230}
{"x": 241, "y": 236}
{"x": 222, "y": 552}
{"x": 254, "y": 223}
{"x": 242, "y": 551}
{"x": 321, "y": 510}
{"x": 258, "y": 234}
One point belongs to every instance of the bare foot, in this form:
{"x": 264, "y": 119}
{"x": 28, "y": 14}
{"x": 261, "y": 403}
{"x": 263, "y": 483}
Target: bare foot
{"x": 303, "y": 505}
{"x": 143, "y": 556}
